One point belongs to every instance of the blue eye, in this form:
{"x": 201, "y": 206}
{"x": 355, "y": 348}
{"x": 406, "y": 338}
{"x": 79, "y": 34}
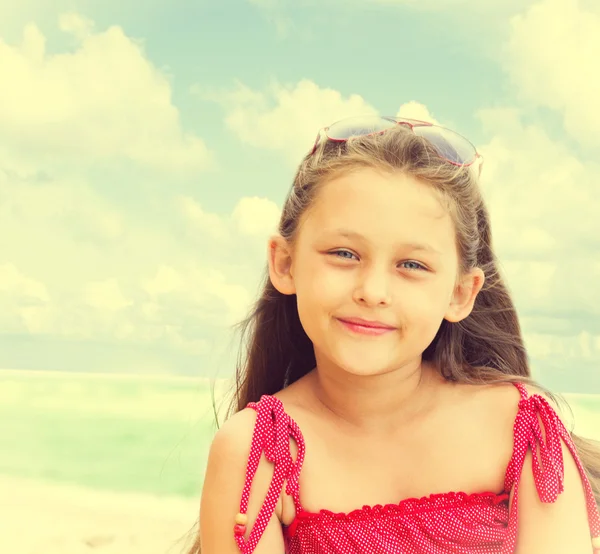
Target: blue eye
{"x": 421, "y": 267}
{"x": 336, "y": 252}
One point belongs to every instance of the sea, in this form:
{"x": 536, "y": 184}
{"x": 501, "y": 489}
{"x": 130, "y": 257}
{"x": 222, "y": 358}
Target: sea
{"x": 135, "y": 433}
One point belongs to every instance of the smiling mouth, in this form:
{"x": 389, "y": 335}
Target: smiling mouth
{"x": 363, "y": 330}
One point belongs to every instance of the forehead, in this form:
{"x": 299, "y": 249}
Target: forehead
{"x": 382, "y": 208}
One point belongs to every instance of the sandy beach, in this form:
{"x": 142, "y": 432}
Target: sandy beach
{"x": 53, "y": 518}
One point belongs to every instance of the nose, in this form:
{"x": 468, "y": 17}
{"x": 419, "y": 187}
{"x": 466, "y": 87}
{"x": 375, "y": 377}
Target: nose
{"x": 374, "y": 287}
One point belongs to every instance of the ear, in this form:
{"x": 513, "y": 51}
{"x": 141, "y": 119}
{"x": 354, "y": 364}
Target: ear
{"x": 465, "y": 293}
{"x": 280, "y": 265}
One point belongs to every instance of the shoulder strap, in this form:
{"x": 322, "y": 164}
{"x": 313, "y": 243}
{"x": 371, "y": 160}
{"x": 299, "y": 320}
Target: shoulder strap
{"x": 549, "y": 476}
{"x": 271, "y": 435}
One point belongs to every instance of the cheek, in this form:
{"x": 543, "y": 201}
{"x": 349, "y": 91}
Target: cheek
{"x": 318, "y": 296}
{"x": 310, "y": 313}
{"x": 321, "y": 286}
{"x": 422, "y": 310}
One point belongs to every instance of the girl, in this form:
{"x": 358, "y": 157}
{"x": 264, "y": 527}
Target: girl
{"x": 386, "y": 404}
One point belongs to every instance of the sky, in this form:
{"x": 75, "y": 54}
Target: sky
{"x": 146, "y": 149}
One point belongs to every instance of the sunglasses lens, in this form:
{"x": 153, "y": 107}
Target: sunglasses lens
{"x": 358, "y": 127}
{"x": 450, "y": 145}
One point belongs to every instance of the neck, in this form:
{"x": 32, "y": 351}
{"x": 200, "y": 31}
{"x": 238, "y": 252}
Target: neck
{"x": 377, "y": 404}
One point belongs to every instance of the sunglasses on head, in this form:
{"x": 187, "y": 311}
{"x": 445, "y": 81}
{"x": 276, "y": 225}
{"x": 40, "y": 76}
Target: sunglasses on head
{"x": 449, "y": 145}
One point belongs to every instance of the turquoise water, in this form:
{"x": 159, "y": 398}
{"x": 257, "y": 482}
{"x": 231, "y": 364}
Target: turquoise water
{"x": 129, "y": 433}
{"x": 136, "y": 434}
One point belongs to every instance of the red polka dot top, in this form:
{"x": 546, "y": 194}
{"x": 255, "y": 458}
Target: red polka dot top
{"x": 447, "y": 523}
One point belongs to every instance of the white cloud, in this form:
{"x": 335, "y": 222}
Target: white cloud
{"x": 582, "y": 345}
{"x": 532, "y": 179}
{"x": 24, "y": 301}
{"x": 167, "y": 279}
{"x": 172, "y": 306}
{"x": 544, "y": 207}
{"x": 197, "y": 288}
{"x": 74, "y": 128}
{"x": 256, "y": 217}
{"x": 99, "y": 273}
{"x": 552, "y": 59}
{"x": 588, "y": 344}
{"x": 139, "y": 285}
{"x": 70, "y": 205}
{"x": 286, "y": 117}
{"x": 103, "y": 102}
{"x": 574, "y": 354}
{"x": 252, "y": 217}
{"x": 75, "y": 24}
{"x": 203, "y": 222}
{"x": 416, "y": 110}
{"x": 14, "y": 283}
{"x": 105, "y": 296}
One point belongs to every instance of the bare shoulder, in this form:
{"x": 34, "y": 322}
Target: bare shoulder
{"x": 498, "y": 405}
{"x": 223, "y": 486}
{"x": 495, "y": 407}
{"x": 558, "y": 526}
{"x": 504, "y": 397}
{"x": 489, "y": 413}
{"x": 488, "y": 400}
{"x": 234, "y": 436}
{"x": 497, "y": 398}
{"x": 231, "y": 448}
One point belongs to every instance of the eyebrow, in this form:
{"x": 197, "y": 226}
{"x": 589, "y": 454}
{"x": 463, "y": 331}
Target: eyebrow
{"x": 410, "y": 245}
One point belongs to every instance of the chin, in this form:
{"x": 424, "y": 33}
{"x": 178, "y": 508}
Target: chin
{"x": 366, "y": 367}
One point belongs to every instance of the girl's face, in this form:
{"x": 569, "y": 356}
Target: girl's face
{"x": 380, "y": 275}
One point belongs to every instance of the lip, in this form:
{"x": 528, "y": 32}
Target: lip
{"x": 366, "y": 323}
{"x": 364, "y": 330}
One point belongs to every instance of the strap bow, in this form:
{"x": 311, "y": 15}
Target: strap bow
{"x": 548, "y": 467}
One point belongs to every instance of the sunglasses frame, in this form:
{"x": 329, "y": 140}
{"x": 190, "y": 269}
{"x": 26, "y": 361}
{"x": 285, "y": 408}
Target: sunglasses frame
{"x": 411, "y": 124}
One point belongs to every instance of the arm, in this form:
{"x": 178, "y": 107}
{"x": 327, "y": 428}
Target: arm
{"x": 552, "y": 528}
{"x": 222, "y": 489}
